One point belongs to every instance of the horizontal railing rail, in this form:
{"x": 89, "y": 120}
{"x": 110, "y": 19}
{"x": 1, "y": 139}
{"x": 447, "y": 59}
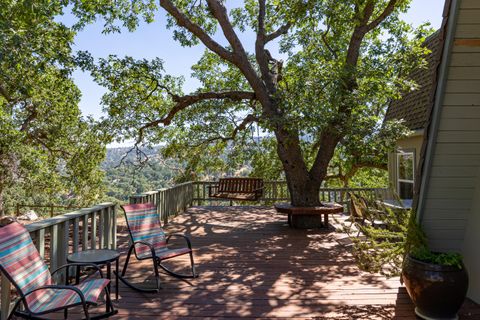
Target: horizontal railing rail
{"x": 169, "y": 201}
{"x": 55, "y": 238}
{"x": 51, "y": 208}
{"x": 277, "y": 191}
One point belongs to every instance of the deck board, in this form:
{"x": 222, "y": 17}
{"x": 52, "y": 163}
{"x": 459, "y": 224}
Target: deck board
{"x": 252, "y": 265}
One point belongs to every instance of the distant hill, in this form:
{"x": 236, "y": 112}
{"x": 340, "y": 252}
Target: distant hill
{"x": 126, "y": 176}
{"x": 116, "y": 155}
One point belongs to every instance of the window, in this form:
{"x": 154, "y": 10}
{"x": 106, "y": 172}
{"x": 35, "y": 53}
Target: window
{"x": 406, "y": 174}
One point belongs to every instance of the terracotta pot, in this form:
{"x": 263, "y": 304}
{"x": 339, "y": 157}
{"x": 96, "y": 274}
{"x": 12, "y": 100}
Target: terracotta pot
{"x": 437, "y": 291}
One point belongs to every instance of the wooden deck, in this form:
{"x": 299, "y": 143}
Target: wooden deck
{"x": 252, "y": 265}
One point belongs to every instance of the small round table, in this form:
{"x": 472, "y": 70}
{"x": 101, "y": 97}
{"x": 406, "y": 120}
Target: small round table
{"x": 99, "y": 257}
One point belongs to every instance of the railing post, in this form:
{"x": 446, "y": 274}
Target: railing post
{"x": 101, "y": 227}
{"x": 93, "y": 232}
{"x": 54, "y": 247}
{"x": 85, "y": 232}
{"x": 76, "y": 236}
{"x": 5, "y": 297}
{"x": 107, "y": 229}
{"x": 40, "y": 242}
{"x": 114, "y": 228}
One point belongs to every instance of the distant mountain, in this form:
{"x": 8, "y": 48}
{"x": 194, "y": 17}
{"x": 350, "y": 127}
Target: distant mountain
{"x": 125, "y": 176}
{"x": 126, "y": 154}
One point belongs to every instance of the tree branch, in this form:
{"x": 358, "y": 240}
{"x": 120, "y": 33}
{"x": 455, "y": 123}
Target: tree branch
{"x": 238, "y": 57}
{"x": 261, "y": 55}
{"x": 386, "y": 12}
{"x": 324, "y": 39}
{"x": 5, "y": 94}
{"x": 277, "y": 33}
{"x": 197, "y": 30}
{"x": 185, "y": 101}
{"x": 28, "y": 120}
{"x": 220, "y": 13}
{"x": 241, "y": 127}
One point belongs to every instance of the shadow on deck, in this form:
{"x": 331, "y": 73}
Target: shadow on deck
{"x": 252, "y": 265}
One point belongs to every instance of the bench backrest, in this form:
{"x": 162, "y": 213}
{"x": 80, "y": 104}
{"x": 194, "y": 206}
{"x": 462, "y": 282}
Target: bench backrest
{"x": 240, "y": 185}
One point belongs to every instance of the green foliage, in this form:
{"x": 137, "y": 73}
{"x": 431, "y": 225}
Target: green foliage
{"x": 440, "y": 258}
{"x": 48, "y": 152}
{"x": 383, "y": 250}
{"x": 125, "y": 175}
{"x": 360, "y": 160}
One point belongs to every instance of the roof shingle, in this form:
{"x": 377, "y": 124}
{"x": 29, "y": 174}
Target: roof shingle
{"x": 414, "y": 106}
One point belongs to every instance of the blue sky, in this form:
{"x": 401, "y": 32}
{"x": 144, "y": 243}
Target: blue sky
{"x": 154, "y": 40}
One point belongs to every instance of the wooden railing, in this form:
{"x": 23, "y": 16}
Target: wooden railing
{"x": 55, "y": 238}
{"x": 51, "y": 208}
{"x": 277, "y": 191}
{"x": 169, "y": 201}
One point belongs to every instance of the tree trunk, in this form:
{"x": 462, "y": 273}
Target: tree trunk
{"x": 304, "y": 189}
{"x": 304, "y": 192}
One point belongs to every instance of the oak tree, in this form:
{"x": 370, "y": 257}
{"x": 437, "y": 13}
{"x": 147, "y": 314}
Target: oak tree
{"x": 313, "y": 74}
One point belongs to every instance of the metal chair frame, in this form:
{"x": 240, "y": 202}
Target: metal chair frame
{"x": 28, "y": 314}
{"x": 156, "y": 261}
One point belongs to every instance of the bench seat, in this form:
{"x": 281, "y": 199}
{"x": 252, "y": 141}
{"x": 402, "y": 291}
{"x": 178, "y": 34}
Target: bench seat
{"x": 242, "y": 189}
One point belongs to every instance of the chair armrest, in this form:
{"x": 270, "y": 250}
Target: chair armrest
{"x": 211, "y": 188}
{"x": 187, "y": 239}
{"x": 148, "y": 244}
{"x": 79, "y": 265}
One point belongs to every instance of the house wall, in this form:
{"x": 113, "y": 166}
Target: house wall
{"x": 451, "y": 200}
{"x": 456, "y": 154}
{"x": 471, "y": 245}
{"x": 414, "y": 142}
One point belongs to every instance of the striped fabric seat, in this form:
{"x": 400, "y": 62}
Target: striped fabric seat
{"x": 48, "y": 300}
{"x": 21, "y": 262}
{"x": 144, "y": 225}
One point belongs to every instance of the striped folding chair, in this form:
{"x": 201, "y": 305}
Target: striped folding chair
{"x": 149, "y": 241}
{"x": 25, "y": 269}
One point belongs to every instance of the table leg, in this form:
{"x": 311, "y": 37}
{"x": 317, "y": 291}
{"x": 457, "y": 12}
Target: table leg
{"x": 77, "y": 275}
{"x": 116, "y": 278}
{"x": 109, "y": 277}
{"x": 67, "y": 282}
{"x": 325, "y": 220}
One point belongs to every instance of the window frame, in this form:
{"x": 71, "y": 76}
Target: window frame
{"x": 398, "y": 155}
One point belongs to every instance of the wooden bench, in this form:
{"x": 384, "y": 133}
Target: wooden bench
{"x": 243, "y": 189}
{"x": 312, "y": 214}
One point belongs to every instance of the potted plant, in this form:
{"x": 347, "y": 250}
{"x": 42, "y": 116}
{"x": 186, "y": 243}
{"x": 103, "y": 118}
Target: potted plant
{"x": 436, "y": 282}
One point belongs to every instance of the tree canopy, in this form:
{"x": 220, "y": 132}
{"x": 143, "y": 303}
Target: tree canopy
{"x": 338, "y": 65}
{"x": 48, "y": 152}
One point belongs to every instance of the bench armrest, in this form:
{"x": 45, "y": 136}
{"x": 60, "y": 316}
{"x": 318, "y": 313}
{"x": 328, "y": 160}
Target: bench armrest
{"x": 211, "y": 189}
{"x": 258, "y": 191}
